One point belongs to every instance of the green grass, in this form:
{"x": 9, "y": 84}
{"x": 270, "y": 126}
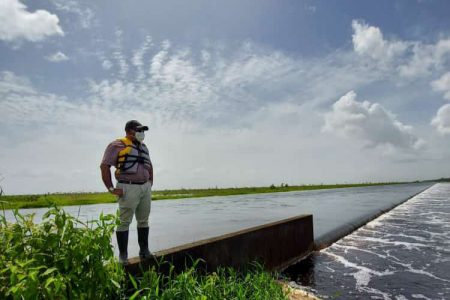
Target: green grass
{"x": 65, "y": 258}
{"x": 46, "y": 200}
{"x": 224, "y": 283}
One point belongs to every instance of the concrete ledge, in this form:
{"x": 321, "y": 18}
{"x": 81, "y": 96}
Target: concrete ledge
{"x": 276, "y": 245}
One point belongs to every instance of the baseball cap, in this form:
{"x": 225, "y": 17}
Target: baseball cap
{"x": 135, "y": 125}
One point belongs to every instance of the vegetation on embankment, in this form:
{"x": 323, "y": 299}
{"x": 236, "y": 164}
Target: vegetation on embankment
{"x": 64, "y": 199}
{"x": 65, "y": 258}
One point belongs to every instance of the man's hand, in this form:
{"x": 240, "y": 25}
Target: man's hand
{"x": 117, "y": 192}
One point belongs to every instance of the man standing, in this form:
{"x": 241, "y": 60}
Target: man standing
{"x": 134, "y": 175}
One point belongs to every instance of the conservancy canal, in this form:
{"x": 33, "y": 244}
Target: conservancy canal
{"x": 403, "y": 254}
{"x": 177, "y": 222}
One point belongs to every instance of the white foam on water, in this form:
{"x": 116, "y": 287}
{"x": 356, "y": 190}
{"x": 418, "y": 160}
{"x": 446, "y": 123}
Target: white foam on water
{"x": 362, "y": 278}
{"x": 395, "y": 261}
{"x": 422, "y": 272}
{"x": 374, "y": 292}
{"x": 363, "y": 274}
{"x": 407, "y": 245}
{"x": 330, "y": 270}
{"x": 420, "y": 296}
{"x": 414, "y": 237}
{"x": 423, "y": 221}
{"x": 346, "y": 248}
{"x": 377, "y": 222}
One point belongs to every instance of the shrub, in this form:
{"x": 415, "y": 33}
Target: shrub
{"x": 61, "y": 257}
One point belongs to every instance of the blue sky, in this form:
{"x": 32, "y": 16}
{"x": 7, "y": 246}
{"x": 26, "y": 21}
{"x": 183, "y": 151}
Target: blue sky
{"x": 236, "y": 93}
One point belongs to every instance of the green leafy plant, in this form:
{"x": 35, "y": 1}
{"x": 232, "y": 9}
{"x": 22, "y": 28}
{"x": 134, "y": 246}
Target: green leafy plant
{"x": 65, "y": 258}
{"x": 62, "y": 257}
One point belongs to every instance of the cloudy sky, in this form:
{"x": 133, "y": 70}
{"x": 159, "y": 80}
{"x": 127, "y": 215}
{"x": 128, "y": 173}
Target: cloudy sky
{"x": 236, "y": 93}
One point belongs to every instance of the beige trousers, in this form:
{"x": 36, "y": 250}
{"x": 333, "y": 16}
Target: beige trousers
{"x": 136, "y": 200}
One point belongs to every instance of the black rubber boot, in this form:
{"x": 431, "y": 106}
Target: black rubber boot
{"x": 122, "y": 242}
{"x": 143, "y": 242}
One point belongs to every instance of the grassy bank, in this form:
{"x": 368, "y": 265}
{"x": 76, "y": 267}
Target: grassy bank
{"x": 29, "y": 201}
{"x": 65, "y": 258}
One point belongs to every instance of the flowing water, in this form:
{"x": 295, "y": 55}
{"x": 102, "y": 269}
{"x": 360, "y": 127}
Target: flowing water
{"x": 404, "y": 254}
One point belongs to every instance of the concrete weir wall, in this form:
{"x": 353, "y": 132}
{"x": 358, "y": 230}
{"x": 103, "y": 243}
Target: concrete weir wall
{"x": 276, "y": 245}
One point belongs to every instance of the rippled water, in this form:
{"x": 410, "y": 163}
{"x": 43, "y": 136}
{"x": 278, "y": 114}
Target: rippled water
{"x": 404, "y": 254}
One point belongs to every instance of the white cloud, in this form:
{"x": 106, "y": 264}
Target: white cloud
{"x": 408, "y": 58}
{"x": 369, "y": 41}
{"x": 442, "y": 85}
{"x": 17, "y": 23}
{"x": 369, "y": 122}
{"x": 442, "y": 120}
{"x": 106, "y": 64}
{"x": 57, "y": 57}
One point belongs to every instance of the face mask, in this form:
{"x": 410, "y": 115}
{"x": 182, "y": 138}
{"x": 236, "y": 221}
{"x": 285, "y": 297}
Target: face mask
{"x": 140, "y": 135}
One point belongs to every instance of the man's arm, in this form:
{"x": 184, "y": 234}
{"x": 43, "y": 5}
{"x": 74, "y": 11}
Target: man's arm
{"x": 106, "y": 177}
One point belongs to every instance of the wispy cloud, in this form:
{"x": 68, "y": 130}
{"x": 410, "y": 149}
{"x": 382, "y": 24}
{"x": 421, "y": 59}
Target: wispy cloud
{"x": 218, "y": 86}
{"x": 85, "y": 14}
{"x": 246, "y": 106}
{"x": 119, "y": 56}
{"x": 138, "y": 57}
{"x": 57, "y": 57}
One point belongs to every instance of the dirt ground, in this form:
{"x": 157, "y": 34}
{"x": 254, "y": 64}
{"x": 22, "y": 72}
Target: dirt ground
{"x": 297, "y": 294}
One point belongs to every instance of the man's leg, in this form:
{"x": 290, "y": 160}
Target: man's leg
{"x": 127, "y": 207}
{"x": 142, "y": 215}
{"x": 122, "y": 242}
